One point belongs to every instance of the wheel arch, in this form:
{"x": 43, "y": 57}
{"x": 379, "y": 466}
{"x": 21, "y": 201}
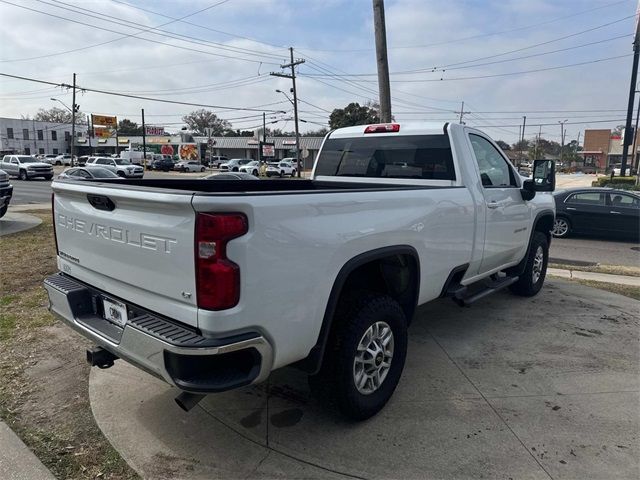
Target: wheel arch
{"x": 381, "y": 270}
{"x": 543, "y": 223}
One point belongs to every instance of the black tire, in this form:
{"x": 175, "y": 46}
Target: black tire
{"x": 23, "y": 175}
{"x": 58, "y": 163}
{"x": 3, "y": 210}
{"x": 202, "y": 169}
{"x": 528, "y": 285}
{"x": 281, "y": 173}
{"x": 254, "y": 173}
{"x": 560, "y": 232}
{"x": 234, "y": 169}
{"x": 48, "y": 177}
{"x": 121, "y": 174}
{"x": 293, "y": 173}
{"x": 335, "y": 383}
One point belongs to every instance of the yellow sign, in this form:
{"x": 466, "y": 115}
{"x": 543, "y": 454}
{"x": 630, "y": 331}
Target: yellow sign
{"x": 103, "y": 133}
{"x": 104, "y": 121}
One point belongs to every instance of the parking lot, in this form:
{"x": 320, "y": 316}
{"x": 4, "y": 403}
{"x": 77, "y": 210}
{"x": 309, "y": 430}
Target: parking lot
{"x": 511, "y": 388}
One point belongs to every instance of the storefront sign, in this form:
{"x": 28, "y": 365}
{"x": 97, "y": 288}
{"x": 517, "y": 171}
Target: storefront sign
{"x": 104, "y": 121}
{"x": 104, "y": 133}
{"x": 154, "y": 130}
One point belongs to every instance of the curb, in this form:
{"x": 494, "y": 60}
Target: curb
{"x": 598, "y": 277}
{"x": 17, "y": 462}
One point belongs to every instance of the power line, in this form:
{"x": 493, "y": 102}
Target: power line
{"x": 192, "y": 39}
{"x": 122, "y": 36}
{"x": 506, "y": 74}
{"x": 117, "y": 94}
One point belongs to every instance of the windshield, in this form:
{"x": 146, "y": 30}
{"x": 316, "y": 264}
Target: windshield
{"x": 408, "y": 156}
{"x": 26, "y": 159}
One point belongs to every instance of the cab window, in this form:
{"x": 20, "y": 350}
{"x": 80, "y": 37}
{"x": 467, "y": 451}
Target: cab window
{"x": 586, "y": 198}
{"x": 494, "y": 169}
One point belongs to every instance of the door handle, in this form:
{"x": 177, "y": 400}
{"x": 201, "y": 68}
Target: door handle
{"x": 493, "y": 204}
{"x": 615, "y": 213}
{"x": 570, "y": 208}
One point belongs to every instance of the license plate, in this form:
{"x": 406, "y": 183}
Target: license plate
{"x": 115, "y": 312}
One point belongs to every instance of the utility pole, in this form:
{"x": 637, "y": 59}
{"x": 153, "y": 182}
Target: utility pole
{"x": 73, "y": 122}
{"x": 634, "y": 154}
{"x": 562, "y": 134}
{"x": 632, "y": 95}
{"x": 292, "y": 65}
{"x": 144, "y": 142}
{"x": 535, "y": 155}
{"x": 381, "y": 58}
{"x": 462, "y": 112}
{"x": 524, "y": 124}
{"x": 91, "y": 135}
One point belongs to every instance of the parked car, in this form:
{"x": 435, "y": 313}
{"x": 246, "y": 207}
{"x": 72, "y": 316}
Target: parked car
{"x": 49, "y": 158}
{"x": 164, "y": 164}
{"x": 216, "y": 161}
{"x": 364, "y": 242}
{"x": 280, "y": 169}
{"x": 617, "y": 170}
{"x": 25, "y": 167}
{"x": 189, "y": 166}
{"x": 600, "y": 211}
{"x": 231, "y": 176}
{"x": 6, "y": 191}
{"x": 234, "y": 164}
{"x": 252, "y": 167}
{"x": 120, "y": 167}
{"x": 87, "y": 173}
{"x": 63, "y": 159}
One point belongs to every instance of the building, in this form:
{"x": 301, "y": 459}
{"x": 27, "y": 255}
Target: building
{"x": 31, "y": 137}
{"x": 230, "y": 147}
{"x": 602, "y": 148}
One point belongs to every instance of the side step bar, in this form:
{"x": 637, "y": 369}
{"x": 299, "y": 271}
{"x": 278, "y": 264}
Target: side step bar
{"x": 465, "y": 296}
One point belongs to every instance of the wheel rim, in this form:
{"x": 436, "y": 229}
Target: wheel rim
{"x": 560, "y": 227}
{"x": 373, "y": 358}
{"x": 538, "y": 261}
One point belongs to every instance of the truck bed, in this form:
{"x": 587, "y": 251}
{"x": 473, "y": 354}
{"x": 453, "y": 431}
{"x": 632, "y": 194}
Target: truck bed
{"x": 266, "y": 187}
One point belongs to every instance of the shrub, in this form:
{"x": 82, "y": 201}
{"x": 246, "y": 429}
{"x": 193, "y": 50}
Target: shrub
{"x": 622, "y": 183}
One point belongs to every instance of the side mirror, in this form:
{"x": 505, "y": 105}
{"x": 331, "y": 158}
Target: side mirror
{"x": 544, "y": 175}
{"x": 528, "y": 190}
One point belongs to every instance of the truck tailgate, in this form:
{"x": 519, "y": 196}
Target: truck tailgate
{"x": 134, "y": 245}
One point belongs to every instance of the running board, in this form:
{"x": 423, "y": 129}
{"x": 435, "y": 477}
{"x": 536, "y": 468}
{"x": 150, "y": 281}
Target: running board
{"x": 465, "y": 296}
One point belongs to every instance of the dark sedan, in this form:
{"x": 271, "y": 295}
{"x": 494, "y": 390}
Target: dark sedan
{"x": 164, "y": 164}
{"x": 597, "y": 211}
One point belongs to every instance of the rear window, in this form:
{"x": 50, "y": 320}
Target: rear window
{"x": 426, "y": 157}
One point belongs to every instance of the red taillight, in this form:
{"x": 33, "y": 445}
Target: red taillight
{"x": 53, "y": 215}
{"x": 383, "y": 128}
{"x": 217, "y": 277}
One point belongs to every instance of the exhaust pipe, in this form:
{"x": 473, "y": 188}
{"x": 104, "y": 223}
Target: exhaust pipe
{"x": 187, "y": 401}
{"x": 101, "y": 358}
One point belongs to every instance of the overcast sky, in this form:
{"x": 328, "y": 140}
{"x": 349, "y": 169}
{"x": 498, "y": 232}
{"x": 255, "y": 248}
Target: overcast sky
{"x": 218, "y": 52}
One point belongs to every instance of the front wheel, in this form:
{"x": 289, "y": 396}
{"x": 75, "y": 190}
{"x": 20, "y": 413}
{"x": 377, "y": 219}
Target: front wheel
{"x": 202, "y": 169}
{"x": 365, "y": 355}
{"x": 121, "y": 174}
{"x": 23, "y": 175}
{"x": 561, "y": 227}
{"x": 3, "y": 210}
{"x": 531, "y": 280}
{"x": 254, "y": 173}
{"x": 48, "y": 177}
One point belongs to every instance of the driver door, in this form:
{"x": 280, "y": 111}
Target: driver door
{"x": 507, "y": 214}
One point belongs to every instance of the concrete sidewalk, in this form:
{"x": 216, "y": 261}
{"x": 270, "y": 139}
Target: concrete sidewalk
{"x": 537, "y": 388}
{"x": 17, "y": 462}
{"x": 596, "y": 277}
{"x": 14, "y": 222}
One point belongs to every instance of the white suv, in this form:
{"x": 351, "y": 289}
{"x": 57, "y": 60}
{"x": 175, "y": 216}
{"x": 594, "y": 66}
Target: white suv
{"x": 118, "y": 166}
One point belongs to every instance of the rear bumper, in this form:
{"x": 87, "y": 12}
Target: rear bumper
{"x": 162, "y": 347}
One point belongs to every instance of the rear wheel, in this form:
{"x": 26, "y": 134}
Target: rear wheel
{"x": 23, "y": 175}
{"x": 531, "y": 280}
{"x": 281, "y": 173}
{"x": 3, "y": 210}
{"x": 202, "y": 169}
{"x": 365, "y": 355}
{"x": 58, "y": 162}
{"x": 561, "y": 227}
{"x": 254, "y": 173}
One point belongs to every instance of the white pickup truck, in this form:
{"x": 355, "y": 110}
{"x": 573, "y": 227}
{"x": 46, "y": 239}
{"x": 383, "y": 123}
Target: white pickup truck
{"x": 213, "y": 285}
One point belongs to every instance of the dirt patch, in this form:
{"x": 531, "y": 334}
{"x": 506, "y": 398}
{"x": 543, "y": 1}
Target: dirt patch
{"x": 44, "y": 392}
